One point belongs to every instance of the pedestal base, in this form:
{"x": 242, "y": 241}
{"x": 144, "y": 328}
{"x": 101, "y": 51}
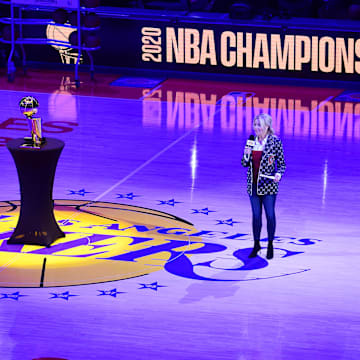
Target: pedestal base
{"x": 35, "y": 237}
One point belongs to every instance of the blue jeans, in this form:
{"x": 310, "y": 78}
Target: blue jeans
{"x": 257, "y": 202}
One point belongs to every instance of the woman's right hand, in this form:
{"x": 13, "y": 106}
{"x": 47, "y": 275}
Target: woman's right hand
{"x": 247, "y": 150}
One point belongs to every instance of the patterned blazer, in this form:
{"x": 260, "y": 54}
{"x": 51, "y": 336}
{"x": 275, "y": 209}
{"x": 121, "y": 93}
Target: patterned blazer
{"x": 272, "y": 162}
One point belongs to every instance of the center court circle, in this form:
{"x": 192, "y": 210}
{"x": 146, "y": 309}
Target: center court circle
{"x": 103, "y": 242}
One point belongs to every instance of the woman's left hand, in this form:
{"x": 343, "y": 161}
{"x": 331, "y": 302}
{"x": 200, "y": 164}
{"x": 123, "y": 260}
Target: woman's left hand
{"x": 277, "y": 177}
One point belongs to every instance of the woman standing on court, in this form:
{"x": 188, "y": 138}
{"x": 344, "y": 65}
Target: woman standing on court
{"x": 266, "y": 165}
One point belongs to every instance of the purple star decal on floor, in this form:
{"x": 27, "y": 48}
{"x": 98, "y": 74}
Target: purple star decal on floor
{"x": 80, "y": 192}
{"x": 153, "y": 286}
{"x": 171, "y": 202}
{"x": 13, "y": 296}
{"x": 205, "y": 211}
{"x": 112, "y": 292}
{"x": 65, "y": 295}
{"x": 229, "y": 222}
{"x": 129, "y": 196}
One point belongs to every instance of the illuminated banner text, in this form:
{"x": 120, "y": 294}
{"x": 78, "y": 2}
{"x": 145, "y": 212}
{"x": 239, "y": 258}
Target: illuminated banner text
{"x": 325, "y": 55}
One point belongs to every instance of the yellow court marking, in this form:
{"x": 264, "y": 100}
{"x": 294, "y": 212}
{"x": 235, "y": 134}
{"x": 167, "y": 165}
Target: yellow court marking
{"x": 104, "y": 242}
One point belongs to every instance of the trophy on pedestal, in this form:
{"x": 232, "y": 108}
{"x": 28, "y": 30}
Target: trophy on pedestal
{"x": 35, "y": 162}
{"x": 29, "y": 107}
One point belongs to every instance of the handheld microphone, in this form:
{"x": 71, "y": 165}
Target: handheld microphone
{"x": 251, "y": 141}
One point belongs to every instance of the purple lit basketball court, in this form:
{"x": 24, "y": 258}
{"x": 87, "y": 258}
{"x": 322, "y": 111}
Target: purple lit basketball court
{"x": 175, "y": 282}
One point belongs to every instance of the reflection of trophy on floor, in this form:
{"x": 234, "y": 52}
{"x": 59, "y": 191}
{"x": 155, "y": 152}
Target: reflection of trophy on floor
{"x": 29, "y": 107}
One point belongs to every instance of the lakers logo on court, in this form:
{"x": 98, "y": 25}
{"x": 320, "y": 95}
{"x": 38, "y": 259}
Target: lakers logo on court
{"x": 108, "y": 241}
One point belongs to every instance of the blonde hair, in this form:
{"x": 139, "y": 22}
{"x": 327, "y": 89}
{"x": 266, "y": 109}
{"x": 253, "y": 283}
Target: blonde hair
{"x": 265, "y": 120}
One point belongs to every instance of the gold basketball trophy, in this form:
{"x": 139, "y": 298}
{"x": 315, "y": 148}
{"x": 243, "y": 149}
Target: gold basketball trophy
{"x": 29, "y": 107}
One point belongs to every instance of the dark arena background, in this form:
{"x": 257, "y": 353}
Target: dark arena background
{"x": 155, "y": 101}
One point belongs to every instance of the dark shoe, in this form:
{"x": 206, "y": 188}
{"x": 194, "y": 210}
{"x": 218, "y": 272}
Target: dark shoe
{"x": 255, "y": 250}
{"x": 270, "y": 250}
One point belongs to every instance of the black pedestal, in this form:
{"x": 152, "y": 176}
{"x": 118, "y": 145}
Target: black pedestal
{"x": 36, "y": 171}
